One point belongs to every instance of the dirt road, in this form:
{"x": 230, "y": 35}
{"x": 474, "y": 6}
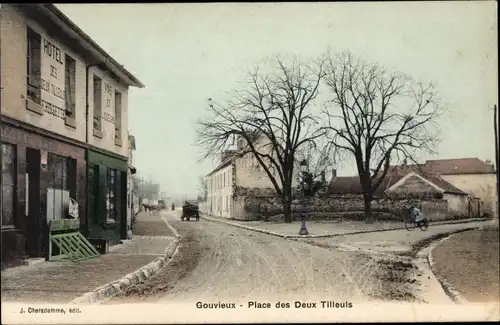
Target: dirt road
{"x": 218, "y": 261}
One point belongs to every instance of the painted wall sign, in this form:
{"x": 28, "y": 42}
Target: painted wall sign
{"x": 108, "y": 118}
{"x": 53, "y": 79}
{"x": 108, "y": 102}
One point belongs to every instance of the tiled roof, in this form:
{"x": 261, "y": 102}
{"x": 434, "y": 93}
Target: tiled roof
{"x": 458, "y": 166}
{"x": 351, "y": 185}
{"x": 441, "y": 183}
{"x": 405, "y": 169}
{"x": 445, "y": 167}
{"x": 223, "y": 164}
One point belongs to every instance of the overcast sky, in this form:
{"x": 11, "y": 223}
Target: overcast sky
{"x": 186, "y": 53}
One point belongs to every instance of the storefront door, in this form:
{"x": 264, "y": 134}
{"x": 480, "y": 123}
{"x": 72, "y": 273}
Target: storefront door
{"x": 32, "y": 211}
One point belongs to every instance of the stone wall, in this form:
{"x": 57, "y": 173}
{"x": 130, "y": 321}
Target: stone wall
{"x": 344, "y": 207}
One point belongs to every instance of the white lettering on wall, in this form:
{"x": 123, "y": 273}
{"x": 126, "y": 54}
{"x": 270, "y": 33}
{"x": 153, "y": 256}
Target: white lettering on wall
{"x": 108, "y": 101}
{"x": 52, "y": 73}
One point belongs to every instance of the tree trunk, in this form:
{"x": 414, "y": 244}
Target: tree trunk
{"x": 368, "y": 209}
{"x": 287, "y": 210}
{"x": 287, "y": 197}
{"x": 287, "y": 203}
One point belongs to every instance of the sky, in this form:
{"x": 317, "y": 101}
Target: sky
{"x": 187, "y": 53}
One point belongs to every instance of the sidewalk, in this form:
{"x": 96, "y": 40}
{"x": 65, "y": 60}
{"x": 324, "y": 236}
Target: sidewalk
{"x": 318, "y": 229}
{"x": 467, "y": 264}
{"x": 61, "y": 282}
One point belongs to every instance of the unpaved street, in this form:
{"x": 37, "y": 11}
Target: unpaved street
{"x": 218, "y": 261}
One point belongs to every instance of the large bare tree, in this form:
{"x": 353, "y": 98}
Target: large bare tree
{"x": 272, "y": 114}
{"x": 202, "y": 188}
{"x": 378, "y": 116}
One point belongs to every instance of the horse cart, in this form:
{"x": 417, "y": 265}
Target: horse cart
{"x": 190, "y": 210}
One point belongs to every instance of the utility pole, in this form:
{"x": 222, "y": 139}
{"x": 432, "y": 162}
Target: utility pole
{"x": 497, "y": 158}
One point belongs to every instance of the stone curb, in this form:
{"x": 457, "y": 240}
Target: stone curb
{"x": 245, "y": 227}
{"x": 110, "y": 290}
{"x": 172, "y": 229}
{"x": 450, "y": 291}
{"x": 330, "y": 235}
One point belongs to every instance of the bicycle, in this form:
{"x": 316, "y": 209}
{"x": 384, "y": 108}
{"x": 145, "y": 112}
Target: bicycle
{"x": 411, "y": 224}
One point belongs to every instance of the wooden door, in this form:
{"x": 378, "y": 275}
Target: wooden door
{"x": 33, "y": 214}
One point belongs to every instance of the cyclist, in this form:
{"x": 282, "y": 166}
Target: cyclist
{"x": 416, "y": 214}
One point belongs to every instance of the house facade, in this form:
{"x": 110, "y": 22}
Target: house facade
{"x": 220, "y": 189}
{"x": 471, "y": 175}
{"x": 236, "y": 171}
{"x": 48, "y": 68}
{"x": 466, "y": 184}
{"x": 107, "y": 161}
{"x": 421, "y": 185}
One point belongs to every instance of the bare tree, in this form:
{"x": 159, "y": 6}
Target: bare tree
{"x": 202, "y": 188}
{"x": 378, "y": 116}
{"x": 321, "y": 158}
{"x": 272, "y": 115}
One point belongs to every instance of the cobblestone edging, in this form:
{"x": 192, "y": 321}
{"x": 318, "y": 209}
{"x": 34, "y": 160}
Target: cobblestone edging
{"x": 327, "y": 235}
{"x": 450, "y": 291}
{"x": 110, "y": 290}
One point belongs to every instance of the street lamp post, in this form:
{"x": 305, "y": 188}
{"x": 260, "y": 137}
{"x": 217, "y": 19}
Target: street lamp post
{"x": 304, "y": 170}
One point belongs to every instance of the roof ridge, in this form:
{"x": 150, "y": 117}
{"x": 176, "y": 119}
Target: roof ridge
{"x": 449, "y": 159}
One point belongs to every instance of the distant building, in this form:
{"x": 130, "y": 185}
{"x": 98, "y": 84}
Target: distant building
{"x": 468, "y": 184}
{"x": 132, "y": 199}
{"x": 233, "y": 172}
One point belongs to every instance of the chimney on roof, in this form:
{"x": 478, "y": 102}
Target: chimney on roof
{"x": 240, "y": 143}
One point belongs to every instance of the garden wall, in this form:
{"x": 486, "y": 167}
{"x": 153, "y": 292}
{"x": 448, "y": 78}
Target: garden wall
{"x": 259, "y": 204}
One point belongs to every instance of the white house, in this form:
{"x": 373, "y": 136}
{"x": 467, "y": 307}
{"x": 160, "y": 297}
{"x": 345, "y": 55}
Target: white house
{"x": 236, "y": 171}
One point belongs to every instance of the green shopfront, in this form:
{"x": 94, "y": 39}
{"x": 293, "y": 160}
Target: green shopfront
{"x": 107, "y": 197}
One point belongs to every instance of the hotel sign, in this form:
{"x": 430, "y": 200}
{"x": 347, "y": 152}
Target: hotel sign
{"x": 53, "y": 79}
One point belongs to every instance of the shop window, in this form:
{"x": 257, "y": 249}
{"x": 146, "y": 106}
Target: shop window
{"x": 61, "y": 176}
{"x": 111, "y": 192}
{"x": 8, "y": 185}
